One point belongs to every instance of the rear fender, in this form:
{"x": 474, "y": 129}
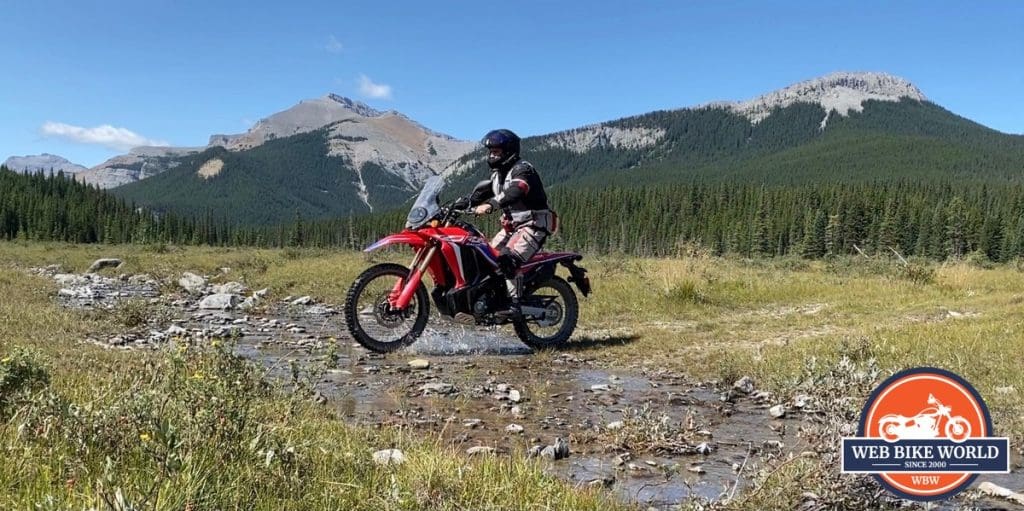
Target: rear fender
{"x": 577, "y": 275}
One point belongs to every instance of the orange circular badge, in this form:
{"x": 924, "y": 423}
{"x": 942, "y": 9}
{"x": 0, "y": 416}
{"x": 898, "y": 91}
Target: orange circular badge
{"x": 925, "y": 433}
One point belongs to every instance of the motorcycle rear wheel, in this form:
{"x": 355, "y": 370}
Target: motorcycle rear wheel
{"x": 562, "y": 313}
{"x": 369, "y": 317}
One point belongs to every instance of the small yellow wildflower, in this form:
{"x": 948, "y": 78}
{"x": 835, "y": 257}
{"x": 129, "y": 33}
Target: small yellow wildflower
{"x": 215, "y": 343}
{"x": 144, "y": 437}
{"x": 198, "y": 375}
{"x": 5, "y": 360}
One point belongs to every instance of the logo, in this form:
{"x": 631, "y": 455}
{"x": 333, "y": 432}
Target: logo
{"x": 925, "y": 434}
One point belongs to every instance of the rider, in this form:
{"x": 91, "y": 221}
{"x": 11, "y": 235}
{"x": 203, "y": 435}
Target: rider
{"x": 526, "y": 219}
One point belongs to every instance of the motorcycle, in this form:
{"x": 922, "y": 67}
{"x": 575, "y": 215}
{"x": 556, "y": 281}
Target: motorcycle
{"x": 387, "y": 307}
{"x": 925, "y": 424}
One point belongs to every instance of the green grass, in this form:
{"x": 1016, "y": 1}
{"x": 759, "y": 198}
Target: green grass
{"x": 786, "y": 322}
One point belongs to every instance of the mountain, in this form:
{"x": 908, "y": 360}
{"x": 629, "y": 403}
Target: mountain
{"x": 843, "y": 126}
{"x": 324, "y": 157}
{"x": 333, "y": 157}
{"x": 44, "y": 162}
{"x": 359, "y": 133}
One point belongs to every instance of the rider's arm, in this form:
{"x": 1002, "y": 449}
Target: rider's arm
{"x": 481, "y": 193}
{"x": 519, "y": 185}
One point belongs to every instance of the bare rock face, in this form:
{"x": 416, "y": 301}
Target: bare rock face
{"x": 841, "y": 92}
{"x": 42, "y": 162}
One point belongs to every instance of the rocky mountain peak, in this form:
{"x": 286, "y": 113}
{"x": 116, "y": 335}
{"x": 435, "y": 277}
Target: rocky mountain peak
{"x": 842, "y": 92}
{"x": 356, "y": 106}
{"x": 44, "y": 162}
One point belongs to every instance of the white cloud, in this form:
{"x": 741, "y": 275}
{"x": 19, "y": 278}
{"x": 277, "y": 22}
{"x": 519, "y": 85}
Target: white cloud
{"x": 334, "y": 45}
{"x": 373, "y": 90}
{"x": 119, "y": 139}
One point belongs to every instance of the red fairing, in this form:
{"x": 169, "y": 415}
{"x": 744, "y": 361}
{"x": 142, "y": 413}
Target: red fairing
{"x": 407, "y": 237}
{"x": 417, "y": 240}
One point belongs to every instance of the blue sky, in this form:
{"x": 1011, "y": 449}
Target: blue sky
{"x": 115, "y": 73}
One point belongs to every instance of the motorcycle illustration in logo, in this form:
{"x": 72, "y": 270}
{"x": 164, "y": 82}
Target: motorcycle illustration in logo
{"x": 925, "y": 424}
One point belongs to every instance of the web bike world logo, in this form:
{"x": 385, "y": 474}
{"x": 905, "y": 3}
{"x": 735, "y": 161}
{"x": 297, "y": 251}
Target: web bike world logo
{"x": 925, "y": 434}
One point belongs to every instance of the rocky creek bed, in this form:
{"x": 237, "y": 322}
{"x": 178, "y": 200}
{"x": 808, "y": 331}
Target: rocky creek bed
{"x": 652, "y": 436}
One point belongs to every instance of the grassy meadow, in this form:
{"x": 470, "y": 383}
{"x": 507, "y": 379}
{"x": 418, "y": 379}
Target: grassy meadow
{"x": 195, "y": 428}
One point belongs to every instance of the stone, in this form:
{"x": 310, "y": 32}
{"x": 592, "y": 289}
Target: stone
{"x": 480, "y": 450}
{"x": 304, "y": 300}
{"x": 535, "y": 451}
{"x": 696, "y": 469}
{"x": 230, "y": 288}
{"x": 219, "y": 302}
{"x": 602, "y": 387}
{"x": 107, "y": 262}
{"x": 514, "y": 396}
{"x": 437, "y": 388}
{"x": 777, "y": 411}
{"x": 388, "y": 457}
{"x": 994, "y": 490}
{"x": 419, "y": 363}
{"x": 70, "y": 280}
{"x": 472, "y": 423}
{"x": 615, "y": 426}
{"x": 192, "y": 283}
{"x": 744, "y": 385}
{"x": 557, "y": 451}
{"x": 801, "y": 400}
{"x": 175, "y": 330}
{"x": 704, "y": 448}
{"x": 514, "y": 429}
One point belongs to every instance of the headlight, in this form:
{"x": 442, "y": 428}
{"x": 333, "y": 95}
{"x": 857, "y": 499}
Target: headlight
{"x": 417, "y": 215}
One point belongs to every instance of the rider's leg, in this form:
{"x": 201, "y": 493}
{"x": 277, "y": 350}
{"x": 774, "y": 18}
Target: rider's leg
{"x": 518, "y": 249}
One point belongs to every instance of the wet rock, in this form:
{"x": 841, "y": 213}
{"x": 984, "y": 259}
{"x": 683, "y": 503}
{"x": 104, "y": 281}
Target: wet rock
{"x": 761, "y": 396}
{"x": 744, "y": 385}
{"x": 535, "y": 451}
{"x": 108, "y": 262}
{"x": 514, "y": 429}
{"x": 320, "y": 310}
{"x": 777, "y": 411}
{"x": 622, "y": 459}
{"x": 297, "y": 329}
{"x": 601, "y": 387}
{"x": 696, "y": 469}
{"x": 192, "y": 283}
{"x": 480, "y": 450}
{"x": 437, "y": 388}
{"x": 704, "y": 448}
{"x": 514, "y": 396}
{"x": 472, "y": 423}
{"x": 389, "y": 457}
{"x": 557, "y": 451}
{"x": 304, "y": 300}
{"x": 419, "y": 364}
{"x": 219, "y": 302}
{"x": 603, "y": 482}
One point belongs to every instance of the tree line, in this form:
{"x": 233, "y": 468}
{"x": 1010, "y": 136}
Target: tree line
{"x": 934, "y": 219}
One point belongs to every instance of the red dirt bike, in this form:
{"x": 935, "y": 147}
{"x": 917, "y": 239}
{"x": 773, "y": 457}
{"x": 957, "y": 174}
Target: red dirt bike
{"x": 387, "y": 306}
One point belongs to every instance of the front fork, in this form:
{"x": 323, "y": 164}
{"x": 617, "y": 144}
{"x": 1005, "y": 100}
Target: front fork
{"x": 401, "y": 294}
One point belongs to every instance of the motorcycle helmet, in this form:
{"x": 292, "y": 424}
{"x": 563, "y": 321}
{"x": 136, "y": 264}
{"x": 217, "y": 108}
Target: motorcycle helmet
{"x": 502, "y": 148}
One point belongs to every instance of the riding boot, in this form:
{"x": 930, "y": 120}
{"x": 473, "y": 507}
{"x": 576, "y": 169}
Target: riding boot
{"x": 515, "y": 291}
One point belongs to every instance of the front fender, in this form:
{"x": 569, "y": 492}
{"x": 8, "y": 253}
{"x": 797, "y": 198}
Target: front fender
{"x": 411, "y": 238}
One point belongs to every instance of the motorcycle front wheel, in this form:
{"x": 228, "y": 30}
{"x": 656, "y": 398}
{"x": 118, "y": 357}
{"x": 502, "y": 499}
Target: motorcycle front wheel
{"x": 369, "y": 316}
{"x": 560, "y": 316}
